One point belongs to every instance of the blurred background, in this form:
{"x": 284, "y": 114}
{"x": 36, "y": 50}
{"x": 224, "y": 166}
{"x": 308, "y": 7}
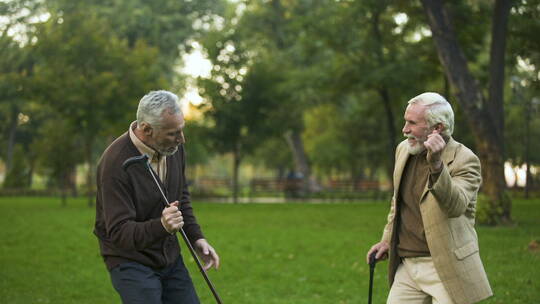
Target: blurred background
{"x": 284, "y": 99}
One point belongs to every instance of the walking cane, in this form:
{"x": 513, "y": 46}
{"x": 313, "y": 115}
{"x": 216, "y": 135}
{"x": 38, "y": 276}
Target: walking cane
{"x": 144, "y": 159}
{"x": 372, "y": 262}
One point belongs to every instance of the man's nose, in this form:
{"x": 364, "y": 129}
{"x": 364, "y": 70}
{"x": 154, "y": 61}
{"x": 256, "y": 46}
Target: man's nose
{"x": 406, "y": 129}
{"x": 180, "y": 138}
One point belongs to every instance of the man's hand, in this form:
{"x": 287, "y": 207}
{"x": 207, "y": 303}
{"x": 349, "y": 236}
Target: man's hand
{"x": 382, "y": 251}
{"x": 434, "y": 144}
{"x": 171, "y": 218}
{"x": 207, "y": 254}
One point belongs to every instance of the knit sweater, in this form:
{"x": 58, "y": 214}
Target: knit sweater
{"x": 129, "y": 206}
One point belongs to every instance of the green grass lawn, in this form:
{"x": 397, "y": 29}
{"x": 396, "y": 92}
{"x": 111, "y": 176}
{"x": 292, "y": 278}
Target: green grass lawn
{"x": 281, "y": 253}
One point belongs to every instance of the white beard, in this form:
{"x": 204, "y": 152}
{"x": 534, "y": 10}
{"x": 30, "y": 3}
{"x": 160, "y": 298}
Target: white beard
{"x": 169, "y": 152}
{"x": 416, "y": 148}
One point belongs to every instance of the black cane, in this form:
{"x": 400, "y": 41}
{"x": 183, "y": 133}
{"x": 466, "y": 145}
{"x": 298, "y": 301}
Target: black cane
{"x": 144, "y": 159}
{"x": 372, "y": 262}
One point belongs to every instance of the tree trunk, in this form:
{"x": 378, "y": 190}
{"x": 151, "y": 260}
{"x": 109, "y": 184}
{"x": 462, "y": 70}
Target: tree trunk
{"x": 357, "y": 176}
{"x": 499, "y": 25}
{"x": 392, "y": 136}
{"x": 384, "y": 93}
{"x": 236, "y": 168}
{"x": 63, "y": 188}
{"x": 89, "y": 175}
{"x": 494, "y": 184}
{"x": 301, "y": 162}
{"x": 72, "y": 182}
{"x": 31, "y": 169}
{"x": 483, "y": 116}
{"x": 281, "y": 172}
{"x": 277, "y": 24}
{"x": 527, "y": 148}
{"x": 12, "y": 132}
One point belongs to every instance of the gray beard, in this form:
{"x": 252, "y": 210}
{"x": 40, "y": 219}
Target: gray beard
{"x": 169, "y": 152}
{"x": 417, "y": 149}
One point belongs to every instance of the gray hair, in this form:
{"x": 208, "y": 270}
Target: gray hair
{"x": 152, "y": 106}
{"x": 438, "y": 111}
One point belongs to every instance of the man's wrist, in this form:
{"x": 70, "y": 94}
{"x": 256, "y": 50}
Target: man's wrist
{"x": 436, "y": 167}
{"x": 165, "y": 227}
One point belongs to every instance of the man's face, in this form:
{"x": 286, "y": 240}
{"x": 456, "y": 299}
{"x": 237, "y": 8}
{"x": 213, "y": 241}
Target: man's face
{"x": 169, "y": 135}
{"x": 416, "y": 128}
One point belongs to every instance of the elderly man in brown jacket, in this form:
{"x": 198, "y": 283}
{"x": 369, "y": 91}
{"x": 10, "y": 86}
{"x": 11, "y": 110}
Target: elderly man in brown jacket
{"x": 430, "y": 236}
{"x": 136, "y": 233}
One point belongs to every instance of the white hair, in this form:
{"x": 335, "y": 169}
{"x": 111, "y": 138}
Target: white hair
{"x": 438, "y": 110}
{"x": 153, "y": 104}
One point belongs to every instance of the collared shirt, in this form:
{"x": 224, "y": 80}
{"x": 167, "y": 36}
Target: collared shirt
{"x": 158, "y": 162}
{"x": 412, "y": 238}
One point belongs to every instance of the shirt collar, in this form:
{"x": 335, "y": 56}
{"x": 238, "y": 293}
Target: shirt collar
{"x": 140, "y": 145}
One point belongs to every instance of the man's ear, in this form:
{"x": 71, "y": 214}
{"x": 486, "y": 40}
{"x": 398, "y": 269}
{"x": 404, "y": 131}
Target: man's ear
{"x": 439, "y": 127}
{"x": 147, "y": 129}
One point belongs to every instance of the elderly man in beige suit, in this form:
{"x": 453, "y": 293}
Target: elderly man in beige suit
{"x": 430, "y": 236}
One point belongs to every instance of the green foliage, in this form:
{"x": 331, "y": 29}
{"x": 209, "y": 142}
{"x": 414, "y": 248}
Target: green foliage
{"x": 522, "y": 105}
{"x": 15, "y": 64}
{"x": 98, "y": 78}
{"x": 346, "y": 54}
{"x": 53, "y": 144}
{"x": 18, "y": 176}
{"x": 274, "y": 154}
{"x": 522, "y": 113}
{"x": 163, "y": 24}
{"x": 85, "y": 68}
{"x": 523, "y": 24}
{"x": 243, "y": 102}
{"x": 197, "y": 143}
{"x": 344, "y": 138}
{"x": 488, "y": 212}
{"x": 482, "y": 210}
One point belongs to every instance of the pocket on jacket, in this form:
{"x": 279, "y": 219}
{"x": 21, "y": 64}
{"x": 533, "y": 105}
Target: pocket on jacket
{"x": 466, "y": 250}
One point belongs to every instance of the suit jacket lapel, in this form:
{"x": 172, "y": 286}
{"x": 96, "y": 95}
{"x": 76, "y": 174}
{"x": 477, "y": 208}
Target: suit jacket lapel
{"x": 449, "y": 152}
{"x": 398, "y": 172}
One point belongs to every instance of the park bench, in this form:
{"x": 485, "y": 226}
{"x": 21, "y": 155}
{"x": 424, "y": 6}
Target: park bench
{"x": 211, "y": 183}
{"x": 350, "y": 189}
{"x": 266, "y": 185}
{"x": 272, "y": 186}
{"x": 350, "y": 185}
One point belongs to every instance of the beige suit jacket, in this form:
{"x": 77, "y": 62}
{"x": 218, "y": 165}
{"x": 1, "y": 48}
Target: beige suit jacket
{"x": 448, "y": 209}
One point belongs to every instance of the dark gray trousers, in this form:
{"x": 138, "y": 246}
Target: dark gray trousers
{"x": 137, "y": 283}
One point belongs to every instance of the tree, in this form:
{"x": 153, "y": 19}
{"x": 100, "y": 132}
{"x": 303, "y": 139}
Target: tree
{"x": 163, "y": 24}
{"x": 54, "y": 137}
{"x": 94, "y": 60}
{"x": 343, "y": 145}
{"x": 273, "y": 154}
{"x": 521, "y": 110}
{"x": 268, "y": 32}
{"x": 15, "y": 64}
{"x": 238, "y": 109}
{"x": 93, "y": 80}
{"x": 10, "y": 65}
{"x": 368, "y": 55}
{"x": 485, "y": 115}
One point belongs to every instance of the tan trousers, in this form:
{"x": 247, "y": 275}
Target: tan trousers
{"x": 417, "y": 282}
